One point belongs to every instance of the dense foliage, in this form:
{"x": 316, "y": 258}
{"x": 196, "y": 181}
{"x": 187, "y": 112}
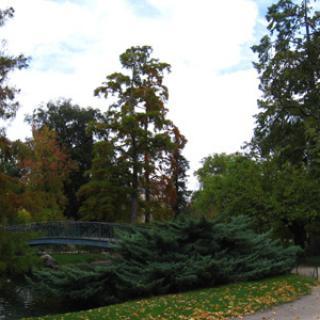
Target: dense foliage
{"x": 45, "y": 167}
{"x": 72, "y": 126}
{"x": 287, "y": 131}
{"x": 288, "y": 123}
{"x": 277, "y": 182}
{"x": 106, "y": 196}
{"x": 127, "y": 164}
{"x": 231, "y": 185}
{"x": 32, "y": 178}
{"x": 143, "y": 147}
{"x": 81, "y": 163}
{"x": 283, "y": 200}
{"x": 16, "y": 257}
{"x": 173, "y": 257}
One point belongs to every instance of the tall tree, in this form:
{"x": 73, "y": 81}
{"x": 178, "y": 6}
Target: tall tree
{"x": 288, "y": 126}
{"x": 72, "y": 125}
{"x": 136, "y": 122}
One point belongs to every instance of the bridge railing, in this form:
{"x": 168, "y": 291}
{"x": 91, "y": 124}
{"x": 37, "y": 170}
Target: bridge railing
{"x": 70, "y": 229}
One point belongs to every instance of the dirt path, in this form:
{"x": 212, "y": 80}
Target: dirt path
{"x": 306, "y": 308}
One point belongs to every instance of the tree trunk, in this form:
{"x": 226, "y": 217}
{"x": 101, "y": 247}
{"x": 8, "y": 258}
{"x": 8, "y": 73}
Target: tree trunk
{"x": 147, "y": 176}
{"x": 134, "y": 207}
{"x": 147, "y": 191}
{"x": 134, "y": 192}
{"x": 299, "y": 234}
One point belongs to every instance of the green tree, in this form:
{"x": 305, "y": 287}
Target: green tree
{"x": 137, "y": 126}
{"x": 293, "y": 199}
{"x": 105, "y": 196}
{"x": 11, "y": 188}
{"x": 282, "y": 199}
{"x": 72, "y": 125}
{"x": 288, "y": 125}
{"x": 287, "y": 132}
{"x": 232, "y": 185}
{"x": 16, "y": 257}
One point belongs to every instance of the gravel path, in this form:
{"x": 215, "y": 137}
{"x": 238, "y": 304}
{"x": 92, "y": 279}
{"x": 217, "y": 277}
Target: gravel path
{"x": 306, "y": 308}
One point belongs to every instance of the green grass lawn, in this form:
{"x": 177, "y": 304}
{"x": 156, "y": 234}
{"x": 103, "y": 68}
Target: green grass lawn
{"x": 215, "y": 303}
{"x": 75, "y": 258}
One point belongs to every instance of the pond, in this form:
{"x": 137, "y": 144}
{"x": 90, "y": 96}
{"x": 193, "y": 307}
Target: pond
{"x": 17, "y": 301}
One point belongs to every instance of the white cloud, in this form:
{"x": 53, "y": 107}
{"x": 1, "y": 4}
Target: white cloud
{"x": 75, "y": 44}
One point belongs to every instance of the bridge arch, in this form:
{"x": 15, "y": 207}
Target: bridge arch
{"x": 97, "y": 234}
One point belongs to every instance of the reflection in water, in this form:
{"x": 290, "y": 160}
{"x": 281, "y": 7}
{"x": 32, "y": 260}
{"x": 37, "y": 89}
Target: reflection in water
{"x": 17, "y": 301}
{"x": 10, "y": 300}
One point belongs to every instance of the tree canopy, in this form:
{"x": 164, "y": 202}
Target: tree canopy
{"x": 72, "y": 125}
{"x": 287, "y": 126}
{"x": 136, "y": 125}
{"x": 277, "y": 183}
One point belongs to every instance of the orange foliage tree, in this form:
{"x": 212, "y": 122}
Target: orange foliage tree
{"x": 45, "y": 167}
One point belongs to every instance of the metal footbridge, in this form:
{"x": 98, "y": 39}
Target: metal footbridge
{"x": 97, "y": 234}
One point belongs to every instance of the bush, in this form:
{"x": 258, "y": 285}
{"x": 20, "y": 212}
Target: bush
{"x": 172, "y": 257}
{"x": 16, "y": 257}
{"x": 189, "y": 254}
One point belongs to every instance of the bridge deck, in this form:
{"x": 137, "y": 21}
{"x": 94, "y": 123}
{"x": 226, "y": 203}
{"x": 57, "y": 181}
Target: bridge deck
{"x": 98, "y": 234}
{"x": 103, "y": 243}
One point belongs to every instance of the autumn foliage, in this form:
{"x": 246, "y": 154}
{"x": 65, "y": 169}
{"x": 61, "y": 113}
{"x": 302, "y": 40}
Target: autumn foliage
{"x": 45, "y": 167}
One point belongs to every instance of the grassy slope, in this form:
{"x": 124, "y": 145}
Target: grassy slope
{"x": 216, "y": 303}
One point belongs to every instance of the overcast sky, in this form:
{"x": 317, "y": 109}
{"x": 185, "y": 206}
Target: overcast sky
{"x": 74, "y": 44}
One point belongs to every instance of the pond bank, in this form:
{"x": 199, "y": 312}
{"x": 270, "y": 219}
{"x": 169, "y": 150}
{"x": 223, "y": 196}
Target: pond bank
{"x": 17, "y": 301}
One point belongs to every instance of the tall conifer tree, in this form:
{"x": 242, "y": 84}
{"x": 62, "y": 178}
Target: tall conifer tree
{"x": 137, "y": 124}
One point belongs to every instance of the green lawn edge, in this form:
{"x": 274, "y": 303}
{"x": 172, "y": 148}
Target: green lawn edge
{"x": 217, "y": 303}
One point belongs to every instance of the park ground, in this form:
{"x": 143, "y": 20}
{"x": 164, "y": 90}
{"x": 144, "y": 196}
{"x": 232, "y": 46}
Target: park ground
{"x": 231, "y": 301}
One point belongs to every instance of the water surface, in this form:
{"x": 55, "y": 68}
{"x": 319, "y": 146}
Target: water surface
{"x": 17, "y": 301}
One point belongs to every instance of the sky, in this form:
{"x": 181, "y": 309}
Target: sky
{"x": 74, "y": 44}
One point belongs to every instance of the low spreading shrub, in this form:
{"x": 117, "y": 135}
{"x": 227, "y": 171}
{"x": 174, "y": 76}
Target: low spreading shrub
{"x": 173, "y": 257}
